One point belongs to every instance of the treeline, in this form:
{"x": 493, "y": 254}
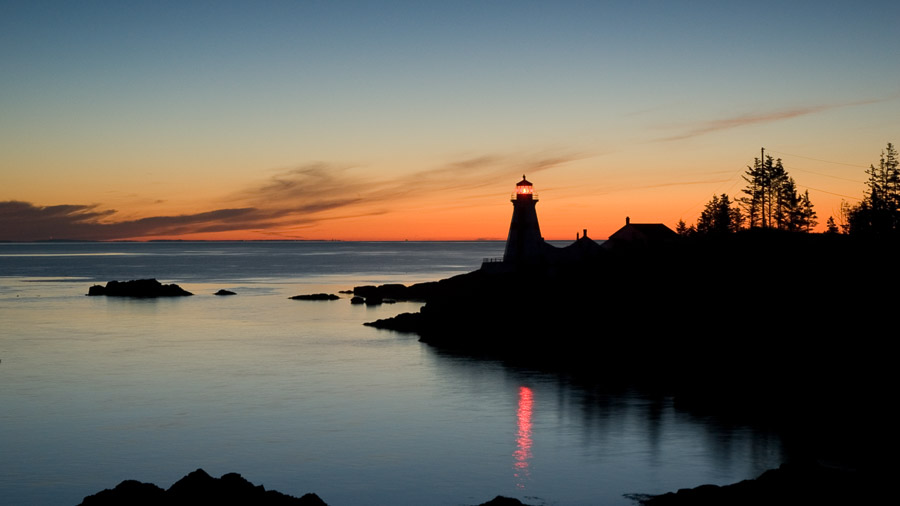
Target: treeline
{"x": 770, "y": 201}
{"x": 878, "y": 214}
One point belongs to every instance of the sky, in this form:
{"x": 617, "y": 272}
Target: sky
{"x": 414, "y": 120}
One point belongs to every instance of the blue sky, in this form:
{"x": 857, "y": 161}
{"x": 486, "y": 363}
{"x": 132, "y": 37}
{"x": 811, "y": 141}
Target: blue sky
{"x": 165, "y": 109}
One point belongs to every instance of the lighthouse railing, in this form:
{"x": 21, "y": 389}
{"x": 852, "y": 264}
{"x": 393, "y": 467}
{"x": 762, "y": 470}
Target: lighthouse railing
{"x": 515, "y": 195}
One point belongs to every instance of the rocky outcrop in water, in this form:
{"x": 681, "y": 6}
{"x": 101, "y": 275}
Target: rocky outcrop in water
{"x": 198, "y": 487}
{"x": 403, "y": 322}
{"x": 224, "y": 292}
{"x": 140, "y": 288}
{"x": 315, "y": 296}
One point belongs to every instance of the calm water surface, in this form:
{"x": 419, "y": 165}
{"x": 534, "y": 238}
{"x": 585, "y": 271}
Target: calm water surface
{"x": 299, "y": 396}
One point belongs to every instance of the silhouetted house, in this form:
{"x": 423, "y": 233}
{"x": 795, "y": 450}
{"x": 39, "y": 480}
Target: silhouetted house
{"x": 584, "y": 248}
{"x": 641, "y": 234}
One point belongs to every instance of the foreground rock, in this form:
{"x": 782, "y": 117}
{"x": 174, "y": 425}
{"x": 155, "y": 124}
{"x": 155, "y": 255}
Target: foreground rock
{"x": 315, "y": 296}
{"x": 224, "y": 292}
{"x": 198, "y": 487}
{"x": 790, "y": 484}
{"x": 142, "y": 288}
{"x": 503, "y": 501}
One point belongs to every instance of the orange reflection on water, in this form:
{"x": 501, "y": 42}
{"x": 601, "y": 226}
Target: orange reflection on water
{"x": 523, "y": 437}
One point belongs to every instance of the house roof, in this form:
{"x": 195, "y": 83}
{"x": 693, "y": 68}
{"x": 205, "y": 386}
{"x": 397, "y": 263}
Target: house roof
{"x": 644, "y": 232}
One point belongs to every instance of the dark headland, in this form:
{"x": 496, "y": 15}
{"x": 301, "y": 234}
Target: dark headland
{"x": 785, "y": 330}
{"x": 790, "y": 331}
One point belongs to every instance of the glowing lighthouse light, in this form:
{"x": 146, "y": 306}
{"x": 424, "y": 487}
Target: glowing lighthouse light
{"x": 524, "y": 190}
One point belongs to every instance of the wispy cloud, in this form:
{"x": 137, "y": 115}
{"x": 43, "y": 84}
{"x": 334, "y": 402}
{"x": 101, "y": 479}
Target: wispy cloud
{"x": 23, "y": 221}
{"x": 294, "y": 198}
{"x": 706, "y": 127}
{"x": 321, "y": 192}
{"x": 712, "y": 179}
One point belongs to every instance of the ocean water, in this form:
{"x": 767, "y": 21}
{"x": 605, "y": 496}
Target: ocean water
{"x": 301, "y": 397}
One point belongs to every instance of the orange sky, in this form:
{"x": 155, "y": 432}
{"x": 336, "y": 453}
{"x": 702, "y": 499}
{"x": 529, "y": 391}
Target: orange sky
{"x": 313, "y": 121}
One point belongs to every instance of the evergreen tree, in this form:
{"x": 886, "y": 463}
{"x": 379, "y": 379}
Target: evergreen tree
{"x": 736, "y": 217}
{"x": 771, "y": 200}
{"x": 830, "y": 226}
{"x": 788, "y": 211}
{"x": 844, "y": 213}
{"x": 719, "y": 217}
{"x": 682, "y": 229}
{"x": 879, "y": 211}
{"x": 763, "y": 195}
{"x": 808, "y": 214}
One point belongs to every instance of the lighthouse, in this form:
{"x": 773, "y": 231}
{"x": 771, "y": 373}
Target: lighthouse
{"x": 524, "y": 243}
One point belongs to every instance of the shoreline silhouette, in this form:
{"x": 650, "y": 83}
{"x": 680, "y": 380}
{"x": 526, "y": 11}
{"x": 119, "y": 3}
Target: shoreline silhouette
{"x": 732, "y": 325}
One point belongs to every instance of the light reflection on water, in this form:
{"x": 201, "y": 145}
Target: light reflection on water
{"x": 523, "y": 437}
{"x": 301, "y": 397}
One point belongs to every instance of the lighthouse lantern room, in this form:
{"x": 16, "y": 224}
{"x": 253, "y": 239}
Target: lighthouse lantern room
{"x": 524, "y": 190}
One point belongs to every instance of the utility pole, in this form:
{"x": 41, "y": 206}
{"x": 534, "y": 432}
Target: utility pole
{"x": 764, "y": 219}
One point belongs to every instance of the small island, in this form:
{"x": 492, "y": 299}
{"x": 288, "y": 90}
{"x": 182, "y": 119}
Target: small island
{"x": 138, "y": 288}
{"x": 315, "y": 296}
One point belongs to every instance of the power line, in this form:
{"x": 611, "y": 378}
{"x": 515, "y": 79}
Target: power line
{"x": 828, "y": 175}
{"x": 830, "y": 193}
{"x": 735, "y": 178}
{"x": 819, "y": 160}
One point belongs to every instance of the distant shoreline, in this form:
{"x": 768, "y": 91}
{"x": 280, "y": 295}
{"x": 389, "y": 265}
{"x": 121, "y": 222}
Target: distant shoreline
{"x": 235, "y": 241}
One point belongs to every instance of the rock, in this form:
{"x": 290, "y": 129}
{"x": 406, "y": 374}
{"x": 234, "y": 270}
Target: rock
{"x": 315, "y": 296}
{"x": 503, "y": 501}
{"x": 225, "y": 292}
{"x": 128, "y": 492}
{"x": 142, "y": 288}
{"x": 198, "y": 487}
{"x": 790, "y": 484}
{"x": 358, "y": 300}
{"x": 403, "y": 322}
{"x": 395, "y": 291}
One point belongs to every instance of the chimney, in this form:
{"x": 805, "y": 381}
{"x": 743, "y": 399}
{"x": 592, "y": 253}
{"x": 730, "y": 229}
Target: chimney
{"x": 585, "y": 232}
{"x": 627, "y": 220}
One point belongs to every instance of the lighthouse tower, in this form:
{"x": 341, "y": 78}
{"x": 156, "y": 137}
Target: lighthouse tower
{"x": 524, "y": 243}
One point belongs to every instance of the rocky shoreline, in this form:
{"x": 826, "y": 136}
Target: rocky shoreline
{"x": 789, "y": 485}
{"x": 198, "y": 487}
{"x": 719, "y": 324}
